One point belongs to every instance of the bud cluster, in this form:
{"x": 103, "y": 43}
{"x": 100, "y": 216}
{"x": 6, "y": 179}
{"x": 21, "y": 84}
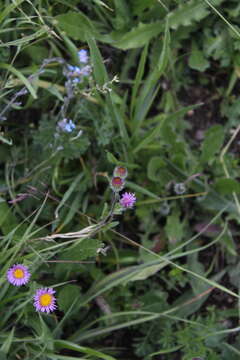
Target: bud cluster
{"x": 117, "y": 183}
{"x": 118, "y": 180}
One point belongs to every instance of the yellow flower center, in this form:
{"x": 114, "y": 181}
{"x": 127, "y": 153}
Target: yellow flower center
{"x": 18, "y": 273}
{"x": 45, "y": 299}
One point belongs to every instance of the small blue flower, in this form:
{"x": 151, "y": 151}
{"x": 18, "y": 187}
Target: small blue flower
{"x": 70, "y": 126}
{"x": 75, "y": 74}
{"x": 76, "y": 80}
{"x": 83, "y": 56}
{"x": 66, "y": 125}
{"x": 73, "y": 71}
{"x": 86, "y": 70}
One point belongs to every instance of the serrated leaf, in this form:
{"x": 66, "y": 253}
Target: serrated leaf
{"x": 139, "y": 36}
{"x": 187, "y": 13}
{"x": 197, "y": 61}
{"x": 212, "y": 143}
{"x": 67, "y": 296}
{"x": 87, "y": 248}
{"x": 76, "y": 25}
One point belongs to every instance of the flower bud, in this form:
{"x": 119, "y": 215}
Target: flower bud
{"x": 120, "y": 171}
{"x": 117, "y": 183}
{"x": 179, "y": 188}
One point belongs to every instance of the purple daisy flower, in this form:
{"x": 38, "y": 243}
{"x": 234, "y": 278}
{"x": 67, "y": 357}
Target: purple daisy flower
{"x": 127, "y": 200}
{"x": 18, "y": 275}
{"x": 44, "y": 300}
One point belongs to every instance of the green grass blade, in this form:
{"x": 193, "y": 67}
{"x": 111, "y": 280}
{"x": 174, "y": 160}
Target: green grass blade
{"x": 21, "y": 77}
{"x": 138, "y": 78}
{"x": 145, "y": 100}
{"x": 86, "y": 350}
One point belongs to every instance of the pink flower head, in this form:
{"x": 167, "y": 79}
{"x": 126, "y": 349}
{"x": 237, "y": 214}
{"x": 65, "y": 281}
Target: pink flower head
{"x": 128, "y": 200}
{"x": 44, "y": 300}
{"x": 18, "y": 275}
{"x": 117, "y": 183}
{"x": 120, "y": 171}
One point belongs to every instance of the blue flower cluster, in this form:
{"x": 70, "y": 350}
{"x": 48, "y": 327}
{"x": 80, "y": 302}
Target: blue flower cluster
{"x": 76, "y": 73}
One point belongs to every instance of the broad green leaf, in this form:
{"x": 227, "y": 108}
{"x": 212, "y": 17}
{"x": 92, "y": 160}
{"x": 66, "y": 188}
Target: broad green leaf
{"x": 212, "y": 143}
{"x": 174, "y": 228}
{"x": 76, "y": 25}
{"x": 227, "y": 186}
{"x": 157, "y": 170}
{"x": 67, "y": 295}
{"x": 197, "y": 61}
{"x": 139, "y": 36}
{"x": 99, "y": 70}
